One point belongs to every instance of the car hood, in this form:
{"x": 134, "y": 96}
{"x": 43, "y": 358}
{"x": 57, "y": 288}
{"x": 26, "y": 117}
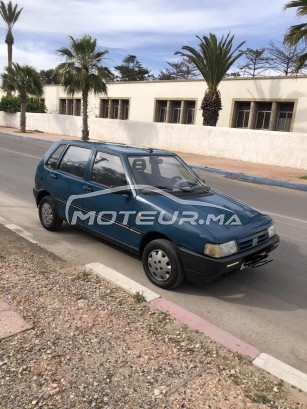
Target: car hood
{"x": 222, "y": 216}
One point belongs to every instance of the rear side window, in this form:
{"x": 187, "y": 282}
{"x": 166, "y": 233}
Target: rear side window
{"x": 53, "y": 159}
{"x": 108, "y": 170}
{"x": 74, "y": 160}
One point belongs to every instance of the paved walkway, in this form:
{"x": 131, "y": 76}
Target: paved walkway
{"x": 258, "y": 170}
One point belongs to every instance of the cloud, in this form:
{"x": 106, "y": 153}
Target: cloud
{"x": 137, "y": 27}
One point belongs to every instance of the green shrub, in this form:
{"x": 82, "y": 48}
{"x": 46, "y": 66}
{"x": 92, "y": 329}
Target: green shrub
{"x": 10, "y": 103}
{"x": 35, "y": 105}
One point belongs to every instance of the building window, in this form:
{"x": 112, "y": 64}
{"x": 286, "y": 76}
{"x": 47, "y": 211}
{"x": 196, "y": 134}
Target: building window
{"x": 175, "y": 112}
{"x": 267, "y": 115}
{"x": 284, "y": 118}
{"x": 243, "y": 112}
{"x": 104, "y": 108}
{"x": 114, "y": 108}
{"x": 190, "y": 112}
{"x": 161, "y": 111}
{"x": 263, "y": 115}
{"x": 70, "y": 106}
{"x": 125, "y": 103}
{"x": 77, "y": 107}
{"x": 63, "y": 106}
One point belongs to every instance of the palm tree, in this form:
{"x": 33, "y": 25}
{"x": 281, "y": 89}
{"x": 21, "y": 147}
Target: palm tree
{"x": 298, "y": 32}
{"x": 10, "y": 15}
{"x": 25, "y": 80}
{"x": 82, "y": 72}
{"x": 213, "y": 60}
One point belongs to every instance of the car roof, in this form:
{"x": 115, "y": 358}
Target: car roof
{"x": 120, "y": 147}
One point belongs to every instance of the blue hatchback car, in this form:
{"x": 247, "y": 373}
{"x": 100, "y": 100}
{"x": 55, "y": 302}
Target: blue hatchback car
{"x": 153, "y": 204}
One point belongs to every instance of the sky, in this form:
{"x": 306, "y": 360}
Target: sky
{"x": 150, "y": 29}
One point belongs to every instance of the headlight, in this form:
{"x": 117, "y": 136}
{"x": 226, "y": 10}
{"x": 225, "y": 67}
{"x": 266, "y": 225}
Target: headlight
{"x": 271, "y": 230}
{"x": 221, "y": 250}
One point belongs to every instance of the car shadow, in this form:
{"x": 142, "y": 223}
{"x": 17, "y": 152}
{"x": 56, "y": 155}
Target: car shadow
{"x": 275, "y": 286}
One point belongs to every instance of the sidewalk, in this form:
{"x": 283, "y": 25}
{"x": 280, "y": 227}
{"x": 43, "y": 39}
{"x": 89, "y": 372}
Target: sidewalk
{"x": 257, "y": 172}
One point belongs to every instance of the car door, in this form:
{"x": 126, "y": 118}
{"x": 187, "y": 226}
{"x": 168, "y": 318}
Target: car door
{"x": 108, "y": 212}
{"x": 67, "y": 180}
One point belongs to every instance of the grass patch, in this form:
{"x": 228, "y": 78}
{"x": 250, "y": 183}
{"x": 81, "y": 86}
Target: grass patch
{"x": 34, "y": 131}
{"x": 138, "y": 297}
{"x": 81, "y": 276}
{"x": 261, "y": 398}
{"x": 303, "y": 177}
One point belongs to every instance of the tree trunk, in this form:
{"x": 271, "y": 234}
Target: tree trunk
{"x": 23, "y": 102}
{"x": 85, "y": 131}
{"x": 9, "y": 39}
{"x": 211, "y": 106}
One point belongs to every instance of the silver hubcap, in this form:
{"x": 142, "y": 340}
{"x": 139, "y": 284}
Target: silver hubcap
{"x": 159, "y": 265}
{"x": 47, "y": 214}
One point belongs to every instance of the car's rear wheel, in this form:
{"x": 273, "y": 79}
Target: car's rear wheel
{"x": 48, "y": 214}
{"x": 162, "y": 264}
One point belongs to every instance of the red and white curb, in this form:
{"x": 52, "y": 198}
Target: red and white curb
{"x": 268, "y": 363}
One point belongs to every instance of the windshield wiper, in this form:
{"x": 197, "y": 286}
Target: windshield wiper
{"x": 182, "y": 189}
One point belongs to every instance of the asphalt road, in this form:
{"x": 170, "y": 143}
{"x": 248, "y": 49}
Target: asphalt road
{"x": 266, "y": 307}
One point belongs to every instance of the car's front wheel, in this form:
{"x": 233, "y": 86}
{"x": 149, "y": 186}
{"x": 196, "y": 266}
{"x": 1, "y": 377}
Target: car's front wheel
{"x": 48, "y": 214}
{"x": 162, "y": 264}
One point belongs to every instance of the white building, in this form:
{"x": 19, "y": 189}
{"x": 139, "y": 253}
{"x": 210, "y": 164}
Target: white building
{"x": 267, "y": 103}
{"x": 263, "y": 120}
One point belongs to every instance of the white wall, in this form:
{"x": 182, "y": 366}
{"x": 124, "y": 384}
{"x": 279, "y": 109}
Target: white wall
{"x": 285, "y": 149}
{"x": 142, "y": 96}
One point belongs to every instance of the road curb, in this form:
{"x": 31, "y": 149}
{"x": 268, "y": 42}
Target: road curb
{"x": 122, "y": 281}
{"x": 18, "y": 230}
{"x": 27, "y": 137}
{"x": 255, "y": 179}
{"x": 281, "y": 370}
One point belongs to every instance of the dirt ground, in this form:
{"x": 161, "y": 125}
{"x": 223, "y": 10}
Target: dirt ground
{"x": 91, "y": 345}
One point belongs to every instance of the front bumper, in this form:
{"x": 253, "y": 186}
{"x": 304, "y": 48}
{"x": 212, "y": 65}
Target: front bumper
{"x": 203, "y": 269}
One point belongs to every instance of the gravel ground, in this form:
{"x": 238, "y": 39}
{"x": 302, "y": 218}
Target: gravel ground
{"x": 94, "y": 346}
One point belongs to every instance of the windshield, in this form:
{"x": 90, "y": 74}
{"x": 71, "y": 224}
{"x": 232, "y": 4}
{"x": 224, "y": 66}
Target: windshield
{"x": 164, "y": 172}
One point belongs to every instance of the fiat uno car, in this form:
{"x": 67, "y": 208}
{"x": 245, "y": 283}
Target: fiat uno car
{"x": 153, "y": 204}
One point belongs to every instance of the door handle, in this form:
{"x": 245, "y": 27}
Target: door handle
{"x": 87, "y": 188}
{"x": 54, "y": 176}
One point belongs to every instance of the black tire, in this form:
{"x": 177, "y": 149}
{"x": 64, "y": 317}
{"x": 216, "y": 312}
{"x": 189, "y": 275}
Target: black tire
{"x": 162, "y": 264}
{"x": 48, "y": 215}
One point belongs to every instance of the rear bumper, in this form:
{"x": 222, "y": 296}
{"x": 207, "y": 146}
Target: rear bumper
{"x": 202, "y": 269}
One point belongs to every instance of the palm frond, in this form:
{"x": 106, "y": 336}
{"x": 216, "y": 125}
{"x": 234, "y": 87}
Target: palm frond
{"x": 301, "y": 6}
{"x": 213, "y": 58}
{"x": 295, "y": 34}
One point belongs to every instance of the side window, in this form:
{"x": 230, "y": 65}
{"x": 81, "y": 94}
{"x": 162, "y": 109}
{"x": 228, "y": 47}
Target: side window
{"x": 75, "y": 160}
{"x": 54, "y": 157}
{"x": 108, "y": 170}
